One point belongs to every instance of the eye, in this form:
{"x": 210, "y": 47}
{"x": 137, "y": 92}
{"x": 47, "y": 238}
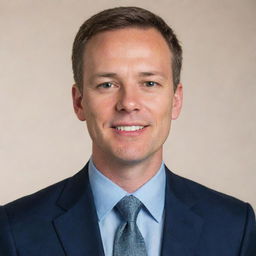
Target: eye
{"x": 151, "y": 83}
{"x": 106, "y": 85}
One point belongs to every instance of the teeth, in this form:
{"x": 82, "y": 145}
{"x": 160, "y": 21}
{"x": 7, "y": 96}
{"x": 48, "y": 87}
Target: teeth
{"x": 129, "y": 128}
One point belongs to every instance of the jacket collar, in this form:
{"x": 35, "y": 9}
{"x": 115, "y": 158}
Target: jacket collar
{"x": 182, "y": 226}
{"x": 78, "y": 228}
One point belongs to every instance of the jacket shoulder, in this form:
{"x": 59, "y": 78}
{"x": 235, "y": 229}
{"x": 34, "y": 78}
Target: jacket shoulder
{"x": 42, "y": 202}
{"x": 204, "y": 198}
{"x": 226, "y": 219}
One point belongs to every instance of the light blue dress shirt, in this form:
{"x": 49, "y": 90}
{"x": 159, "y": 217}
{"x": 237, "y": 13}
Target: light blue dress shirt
{"x": 150, "y": 218}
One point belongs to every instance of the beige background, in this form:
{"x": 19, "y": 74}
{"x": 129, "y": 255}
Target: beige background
{"x": 213, "y": 142}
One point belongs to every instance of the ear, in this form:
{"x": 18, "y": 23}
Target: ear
{"x": 177, "y": 101}
{"x": 77, "y": 103}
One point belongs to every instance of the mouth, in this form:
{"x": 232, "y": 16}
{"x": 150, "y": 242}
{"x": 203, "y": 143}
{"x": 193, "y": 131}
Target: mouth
{"x": 129, "y": 128}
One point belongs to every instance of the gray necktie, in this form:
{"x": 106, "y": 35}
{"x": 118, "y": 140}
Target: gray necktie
{"x": 128, "y": 239}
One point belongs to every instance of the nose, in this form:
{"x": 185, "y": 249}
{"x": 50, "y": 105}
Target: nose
{"x": 128, "y": 100}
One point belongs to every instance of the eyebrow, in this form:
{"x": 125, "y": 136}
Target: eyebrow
{"x": 114, "y": 75}
{"x": 103, "y": 75}
{"x": 151, "y": 73}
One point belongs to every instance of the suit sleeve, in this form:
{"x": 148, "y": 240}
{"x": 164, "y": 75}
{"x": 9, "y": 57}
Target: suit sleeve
{"x": 248, "y": 245}
{"x": 7, "y": 247}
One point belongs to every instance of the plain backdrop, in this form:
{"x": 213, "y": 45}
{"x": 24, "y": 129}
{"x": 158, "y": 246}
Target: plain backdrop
{"x": 213, "y": 141}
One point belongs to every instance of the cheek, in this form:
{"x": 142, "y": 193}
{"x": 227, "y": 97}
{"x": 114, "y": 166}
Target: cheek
{"x": 89, "y": 107}
{"x": 97, "y": 116}
{"x": 161, "y": 107}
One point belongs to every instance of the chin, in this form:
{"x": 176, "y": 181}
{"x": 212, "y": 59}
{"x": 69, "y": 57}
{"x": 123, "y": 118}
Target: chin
{"x": 129, "y": 161}
{"x": 131, "y": 158}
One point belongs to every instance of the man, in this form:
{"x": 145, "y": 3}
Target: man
{"x": 126, "y": 64}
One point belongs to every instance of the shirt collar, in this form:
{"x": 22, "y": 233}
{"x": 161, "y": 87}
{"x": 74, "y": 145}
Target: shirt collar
{"x": 107, "y": 194}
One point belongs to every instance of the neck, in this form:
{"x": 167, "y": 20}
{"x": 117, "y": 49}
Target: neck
{"x": 130, "y": 176}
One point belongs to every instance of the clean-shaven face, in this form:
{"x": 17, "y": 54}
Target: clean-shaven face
{"x": 128, "y": 100}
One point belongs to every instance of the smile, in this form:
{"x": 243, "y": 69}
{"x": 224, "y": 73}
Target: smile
{"x": 129, "y": 128}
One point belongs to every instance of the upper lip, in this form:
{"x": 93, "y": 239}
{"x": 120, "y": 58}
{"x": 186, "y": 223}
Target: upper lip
{"x": 129, "y": 124}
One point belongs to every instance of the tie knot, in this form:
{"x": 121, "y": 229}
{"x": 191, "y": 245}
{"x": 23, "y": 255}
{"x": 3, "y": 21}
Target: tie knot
{"x": 129, "y": 208}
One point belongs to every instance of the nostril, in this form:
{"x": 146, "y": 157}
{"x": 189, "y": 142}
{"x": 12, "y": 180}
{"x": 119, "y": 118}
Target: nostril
{"x": 128, "y": 106}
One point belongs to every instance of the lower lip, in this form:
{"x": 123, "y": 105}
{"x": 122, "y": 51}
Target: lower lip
{"x": 130, "y": 133}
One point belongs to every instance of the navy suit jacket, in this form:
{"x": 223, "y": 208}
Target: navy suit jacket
{"x": 61, "y": 220}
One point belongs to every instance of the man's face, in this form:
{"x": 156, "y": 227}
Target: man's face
{"x": 128, "y": 100}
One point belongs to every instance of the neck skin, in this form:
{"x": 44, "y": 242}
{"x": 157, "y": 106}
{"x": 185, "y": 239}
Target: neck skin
{"x": 128, "y": 175}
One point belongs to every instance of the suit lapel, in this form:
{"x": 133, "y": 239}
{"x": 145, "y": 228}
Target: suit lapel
{"x": 78, "y": 228}
{"x": 182, "y": 226}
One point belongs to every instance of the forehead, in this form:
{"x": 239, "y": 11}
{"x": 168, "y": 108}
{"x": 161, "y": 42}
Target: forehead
{"x": 127, "y": 46}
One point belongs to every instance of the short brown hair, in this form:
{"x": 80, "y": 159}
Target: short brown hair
{"x": 118, "y": 18}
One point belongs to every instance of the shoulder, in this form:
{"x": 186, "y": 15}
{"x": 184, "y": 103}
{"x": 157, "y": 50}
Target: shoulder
{"x": 28, "y": 215}
{"x": 39, "y": 202}
{"x": 207, "y": 201}
{"x": 49, "y": 202}
{"x": 225, "y": 219}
